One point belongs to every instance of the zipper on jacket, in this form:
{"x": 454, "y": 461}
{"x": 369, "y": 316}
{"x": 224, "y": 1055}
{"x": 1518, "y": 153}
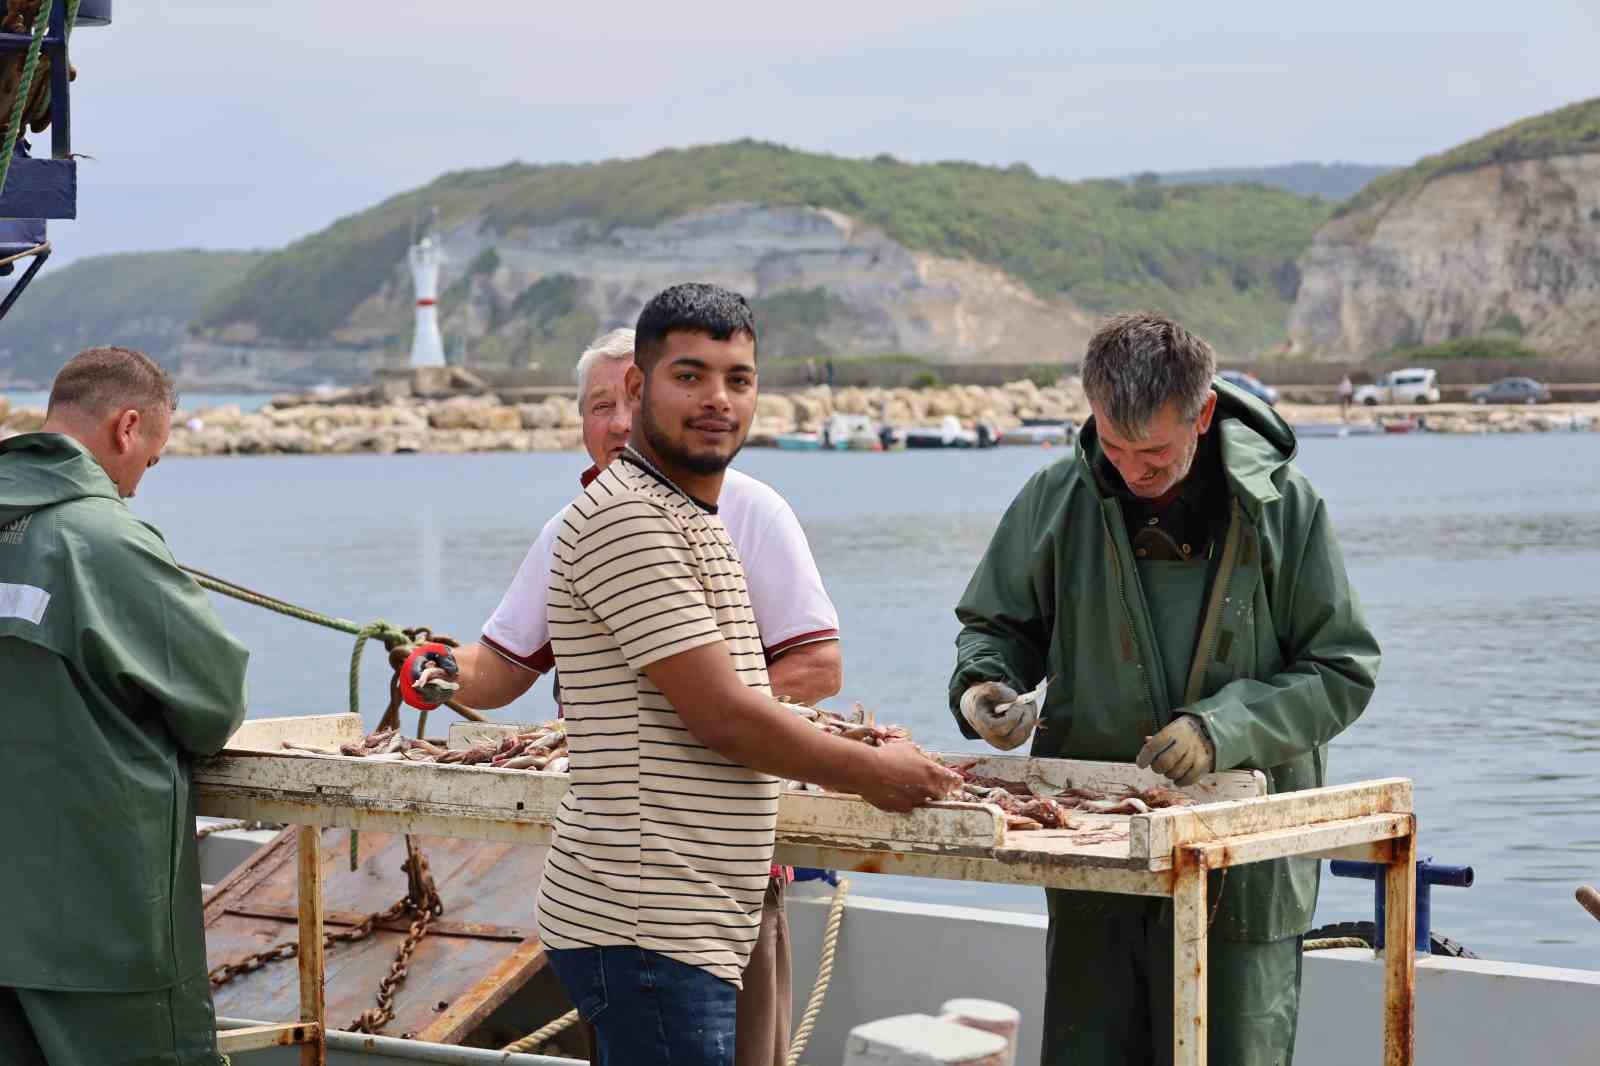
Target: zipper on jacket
{"x": 1206, "y": 646}
{"x": 1127, "y": 612}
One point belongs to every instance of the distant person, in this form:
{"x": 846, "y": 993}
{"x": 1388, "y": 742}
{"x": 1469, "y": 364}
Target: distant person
{"x": 119, "y": 675}
{"x": 811, "y": 370}
{"x": 1347, "y": 391}
{"x": 830, "y": 373}
{"x": 796, "y": 622}
{"x": 1213, "y": 628}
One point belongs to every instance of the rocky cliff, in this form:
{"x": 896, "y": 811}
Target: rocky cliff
{"x": 1501, "y": 235}
{"x": 947, "y": 262}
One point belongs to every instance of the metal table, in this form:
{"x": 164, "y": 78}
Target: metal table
{"x": 1167, "y": 852}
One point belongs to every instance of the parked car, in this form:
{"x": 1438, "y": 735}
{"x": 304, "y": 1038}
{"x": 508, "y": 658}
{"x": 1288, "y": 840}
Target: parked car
{"x": 1511, "y": 390}
{"x": 1251, "y": 384}
{"x": 1411, "y": 385}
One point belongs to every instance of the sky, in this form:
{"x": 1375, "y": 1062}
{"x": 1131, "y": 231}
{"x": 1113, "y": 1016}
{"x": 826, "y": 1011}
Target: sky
{"x": 224, "y": 124}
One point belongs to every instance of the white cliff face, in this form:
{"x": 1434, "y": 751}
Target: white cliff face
{"x": 884, "y": 297}
{"x": 1508, "y": 247}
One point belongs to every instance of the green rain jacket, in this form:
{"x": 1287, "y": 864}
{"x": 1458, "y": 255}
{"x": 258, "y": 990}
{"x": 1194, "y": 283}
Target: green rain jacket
{"x": 116, "y": 672}
{"x": 1284, "y": 661}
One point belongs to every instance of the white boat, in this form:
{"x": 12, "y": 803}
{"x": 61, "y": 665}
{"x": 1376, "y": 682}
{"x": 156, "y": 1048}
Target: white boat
{"x": 1039, "y": 432}
{"x": 949, "y": 433}
{"x": 895, "y": 958}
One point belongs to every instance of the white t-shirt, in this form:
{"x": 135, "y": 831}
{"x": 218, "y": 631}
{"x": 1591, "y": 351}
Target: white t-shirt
{"x": 791, "y": 606}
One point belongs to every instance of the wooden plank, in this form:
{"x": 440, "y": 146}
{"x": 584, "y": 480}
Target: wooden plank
{"x": 313, "y": 1005}
{"x": 1156, "y": 834}
{"x": 488, "y": 892}
{"x": 1282, "y": 843}
{"x": 1010, "y": 869}
{"x": 1399, "y": 953}
{"x": 525, "y": 796}
{"x": 440, "y": 926}
{"x": 259, "y": 1037}
{"x": 312, "y": 730}
{"x": 1107, "y": 776}
{"x": 467, "y": 1012}
{"x": 1189, "y": 959}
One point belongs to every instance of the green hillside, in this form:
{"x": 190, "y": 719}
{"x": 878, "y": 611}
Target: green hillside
{"x": 142, "y": 300}
{"x": 1331, "y": 181}
{"x": 1571, "y": 130}
{"x": 1221, "y": 256}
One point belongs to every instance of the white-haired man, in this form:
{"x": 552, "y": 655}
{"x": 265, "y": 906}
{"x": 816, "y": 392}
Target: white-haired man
{"x": 797, "y": 622}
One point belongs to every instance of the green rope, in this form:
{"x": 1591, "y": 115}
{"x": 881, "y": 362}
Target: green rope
{"x": 41, "y": 23}
{"x": 379, "y": 630}
{"x": 391, "y": 636}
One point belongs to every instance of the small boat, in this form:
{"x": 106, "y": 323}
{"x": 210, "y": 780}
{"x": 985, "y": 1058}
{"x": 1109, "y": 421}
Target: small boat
{"x": 1320, "y": 429}
{"x": 1039, "y": 431}
{"x": 1408, "y": 424}
{"x": 950, "y": 434}
{"x": 799, "y": 442}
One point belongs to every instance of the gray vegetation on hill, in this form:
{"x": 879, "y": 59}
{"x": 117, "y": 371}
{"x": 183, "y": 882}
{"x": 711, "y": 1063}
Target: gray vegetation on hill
{"x": 1330, "y": 181}
{"x": 1222, "y": 256}
{"x": 143, "y": 300}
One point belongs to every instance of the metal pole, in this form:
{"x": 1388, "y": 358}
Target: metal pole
{"x": 1400, "y": 952}
{"x": 60, "y": 86}
{"x": 313, "y": 1005}
{"x": 1189, "y": 957}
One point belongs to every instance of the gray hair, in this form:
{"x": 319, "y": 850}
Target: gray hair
{"x": 618, "y": 344}
{"x": 1138, "y": 363}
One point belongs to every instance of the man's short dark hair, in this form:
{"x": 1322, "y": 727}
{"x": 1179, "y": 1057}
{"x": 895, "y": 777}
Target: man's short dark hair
{"x": 98, "y": 380}
{"x": 1138, "y": 363}
{"x": 693, "y": 307}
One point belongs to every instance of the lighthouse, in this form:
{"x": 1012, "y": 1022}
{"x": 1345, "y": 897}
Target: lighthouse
{"x": 427, "y": 347}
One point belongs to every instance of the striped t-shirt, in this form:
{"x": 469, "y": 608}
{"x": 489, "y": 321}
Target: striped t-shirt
{"x": 660, "y": 842}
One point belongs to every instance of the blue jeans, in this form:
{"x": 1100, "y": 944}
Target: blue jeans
{"x": 647, "y": 1008}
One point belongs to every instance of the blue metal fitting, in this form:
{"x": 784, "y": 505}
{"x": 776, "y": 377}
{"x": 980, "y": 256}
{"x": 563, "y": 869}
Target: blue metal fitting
{"x": 1428, "y": 875}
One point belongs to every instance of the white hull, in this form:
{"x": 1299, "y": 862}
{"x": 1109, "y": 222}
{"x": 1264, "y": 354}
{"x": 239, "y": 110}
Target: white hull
{"x": 897, "y": 958}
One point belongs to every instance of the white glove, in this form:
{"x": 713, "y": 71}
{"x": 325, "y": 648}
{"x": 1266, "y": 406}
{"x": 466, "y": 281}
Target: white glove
{"x": 996, "y": 713}
{"x": 1182, "y": 752}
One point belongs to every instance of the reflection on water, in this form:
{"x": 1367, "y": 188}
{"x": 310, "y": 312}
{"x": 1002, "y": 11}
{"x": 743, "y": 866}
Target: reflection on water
{"x": 1477, "y": 560}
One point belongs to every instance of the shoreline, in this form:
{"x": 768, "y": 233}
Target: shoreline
{"x": 309, "y": 425}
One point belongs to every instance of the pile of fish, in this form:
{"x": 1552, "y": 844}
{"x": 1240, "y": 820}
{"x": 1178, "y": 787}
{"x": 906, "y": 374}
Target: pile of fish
{"x": 1027, "y": 805}
{"x": 543, "y": 747}
{"x": 1025, "y": 808}
{"x": 862, "y": 726}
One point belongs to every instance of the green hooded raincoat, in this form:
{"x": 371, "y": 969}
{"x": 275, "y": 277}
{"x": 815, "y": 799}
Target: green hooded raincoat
{"x": 117, "y": 672}
{"x": 1283, "y": 661}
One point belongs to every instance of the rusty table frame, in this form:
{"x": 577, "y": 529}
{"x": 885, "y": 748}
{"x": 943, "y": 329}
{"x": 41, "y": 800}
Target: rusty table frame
{"x": 1165, "y": 853}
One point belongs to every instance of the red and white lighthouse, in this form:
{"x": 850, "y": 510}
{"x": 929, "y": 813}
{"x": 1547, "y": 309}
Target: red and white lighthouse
{"x": 427, "y": 347}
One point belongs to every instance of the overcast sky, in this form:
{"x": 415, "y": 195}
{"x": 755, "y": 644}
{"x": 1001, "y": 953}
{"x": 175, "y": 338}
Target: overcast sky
{"x": 224, "y": 124}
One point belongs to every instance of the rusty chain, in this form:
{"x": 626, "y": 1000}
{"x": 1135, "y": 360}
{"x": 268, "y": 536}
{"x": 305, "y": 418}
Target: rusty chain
{"x": 421, "y": 901}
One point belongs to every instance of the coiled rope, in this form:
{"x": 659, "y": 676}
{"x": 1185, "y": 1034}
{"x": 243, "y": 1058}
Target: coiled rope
{"x": 41, "y": 23}
{"x": 536, "y": 1039}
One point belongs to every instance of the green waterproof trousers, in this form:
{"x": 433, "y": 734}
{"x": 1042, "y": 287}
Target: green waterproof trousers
{"x": 172, "y": 1027}
{"x": 1108, "y": 991}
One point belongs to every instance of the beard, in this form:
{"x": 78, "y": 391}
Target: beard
{"x": 1172, "y": 476}
{"x": 676, "y": 454}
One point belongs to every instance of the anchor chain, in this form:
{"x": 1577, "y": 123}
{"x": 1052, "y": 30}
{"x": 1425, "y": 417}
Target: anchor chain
{"x": 421, "y": 901}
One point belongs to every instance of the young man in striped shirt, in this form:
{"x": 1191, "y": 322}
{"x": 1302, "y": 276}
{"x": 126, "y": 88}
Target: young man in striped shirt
{"x": 652, "y": 893}
{"x": 796, "y": 621}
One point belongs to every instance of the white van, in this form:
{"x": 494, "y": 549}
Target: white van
{"x": 1411, "y": 385}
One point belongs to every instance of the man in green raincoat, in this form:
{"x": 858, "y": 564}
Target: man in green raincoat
{"x": 1178, "y": 582}
{"x": 117, "y": 673}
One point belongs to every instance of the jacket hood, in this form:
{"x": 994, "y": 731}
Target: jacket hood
{"x": 1256, "y": 444}
{"x": 39, "y": 470}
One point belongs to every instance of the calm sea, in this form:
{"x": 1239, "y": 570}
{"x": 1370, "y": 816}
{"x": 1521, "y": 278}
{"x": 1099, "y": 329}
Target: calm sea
{"x": 1478, "y": 561}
